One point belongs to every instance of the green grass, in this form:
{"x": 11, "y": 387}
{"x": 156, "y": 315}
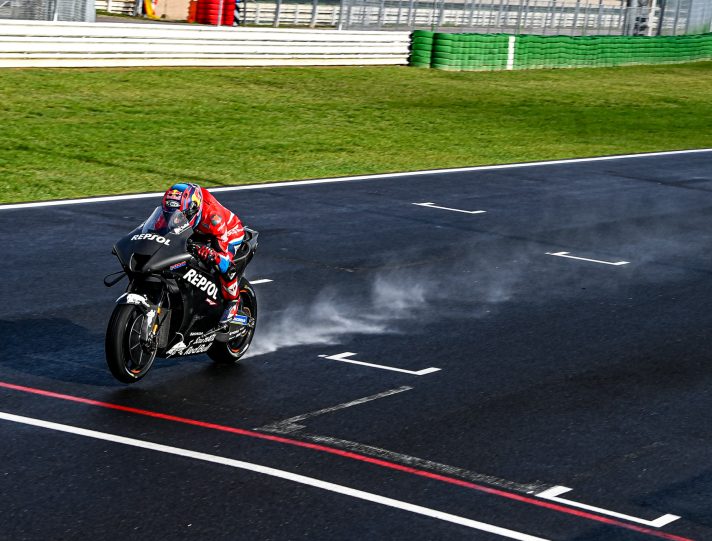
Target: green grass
{"x": 70, "y": 133}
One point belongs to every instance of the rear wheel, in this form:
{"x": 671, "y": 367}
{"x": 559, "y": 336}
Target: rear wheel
{"x": 232, "y": 351}
{"x": 127, "y": 357}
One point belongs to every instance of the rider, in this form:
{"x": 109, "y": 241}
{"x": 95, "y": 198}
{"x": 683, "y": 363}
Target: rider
{"x": 222, "y": 231}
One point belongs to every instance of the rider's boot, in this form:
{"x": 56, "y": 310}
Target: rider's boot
{"x": 233, "y": 315}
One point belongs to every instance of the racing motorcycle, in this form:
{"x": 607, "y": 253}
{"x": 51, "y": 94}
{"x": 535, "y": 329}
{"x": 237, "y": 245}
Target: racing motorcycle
{"x": 173, "y": 304}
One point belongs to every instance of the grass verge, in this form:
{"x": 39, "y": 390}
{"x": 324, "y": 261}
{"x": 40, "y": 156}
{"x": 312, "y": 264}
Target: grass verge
{"x": 71, "y": 133}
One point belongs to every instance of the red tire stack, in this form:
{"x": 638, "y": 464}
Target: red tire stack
{"x": 208, "y": 12}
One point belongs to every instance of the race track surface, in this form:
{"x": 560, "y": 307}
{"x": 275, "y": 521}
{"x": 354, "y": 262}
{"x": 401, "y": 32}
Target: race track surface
{"x": 570, "y": 323}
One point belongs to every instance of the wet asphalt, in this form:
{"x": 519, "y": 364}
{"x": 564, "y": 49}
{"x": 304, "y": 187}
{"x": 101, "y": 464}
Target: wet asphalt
{"x": 554, "y": 371}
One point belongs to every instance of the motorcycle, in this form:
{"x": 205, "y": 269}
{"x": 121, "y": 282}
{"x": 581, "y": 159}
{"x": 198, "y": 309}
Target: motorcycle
{"x": 173, "y": 304}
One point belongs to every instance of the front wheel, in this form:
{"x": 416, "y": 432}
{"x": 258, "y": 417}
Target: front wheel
{"x": 128, "y": 358}
{"x": 231, "y": 352}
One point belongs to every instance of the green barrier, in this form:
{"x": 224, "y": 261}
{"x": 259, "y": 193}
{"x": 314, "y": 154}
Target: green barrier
{"x": 471, "y": 52}
{"x": 421, "y": 49}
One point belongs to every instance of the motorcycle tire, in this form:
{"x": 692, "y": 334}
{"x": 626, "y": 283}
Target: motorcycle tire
{"x": 127, "y": 359}
{"x": 232, "y": 351}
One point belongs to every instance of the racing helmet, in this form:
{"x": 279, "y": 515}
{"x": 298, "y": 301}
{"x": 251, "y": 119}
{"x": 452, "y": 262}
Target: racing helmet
{"x": 184, "y": 197}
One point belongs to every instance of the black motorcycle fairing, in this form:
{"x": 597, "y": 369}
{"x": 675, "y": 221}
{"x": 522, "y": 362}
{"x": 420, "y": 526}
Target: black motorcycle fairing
{"x": 155, "y": 245}
{"x": 187, "y": 311}
{"x": 205, "y": 299}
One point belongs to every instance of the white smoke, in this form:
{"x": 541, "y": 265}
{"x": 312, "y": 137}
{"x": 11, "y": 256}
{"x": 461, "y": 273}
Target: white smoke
{"x": 332, "y": 316}
{"x": 323, "y": 322}
{"x": 392, "y": 299}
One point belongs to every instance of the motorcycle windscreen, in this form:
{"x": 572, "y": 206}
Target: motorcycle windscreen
{"x": 158, "y": 242}
{"x": 170, "y": 231}
{"x": 162, "y": 223}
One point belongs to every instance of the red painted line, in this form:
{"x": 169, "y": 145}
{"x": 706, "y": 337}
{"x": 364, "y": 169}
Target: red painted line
{"x": 351, "y": 455}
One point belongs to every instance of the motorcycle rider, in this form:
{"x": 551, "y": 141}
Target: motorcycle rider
{"x": 222, "y": 233}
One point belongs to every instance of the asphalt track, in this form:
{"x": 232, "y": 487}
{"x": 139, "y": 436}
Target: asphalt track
{"x": 553, "y": 371}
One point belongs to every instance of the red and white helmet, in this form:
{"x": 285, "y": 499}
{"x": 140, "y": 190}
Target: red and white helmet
{"x": 187, "y": 198}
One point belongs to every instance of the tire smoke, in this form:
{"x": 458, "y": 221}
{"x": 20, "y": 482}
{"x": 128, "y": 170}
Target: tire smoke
{"x": 333, "y": 316}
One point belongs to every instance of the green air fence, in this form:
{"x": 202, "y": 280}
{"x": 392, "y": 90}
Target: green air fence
{"x": 469, "y": 52}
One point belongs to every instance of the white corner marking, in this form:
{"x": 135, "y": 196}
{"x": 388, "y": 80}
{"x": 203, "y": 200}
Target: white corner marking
{"x": 343, "y": 357}
{"x": 434, "y": 206}
{"x": 568, "y": 256}
{"x": 553, "y": 494}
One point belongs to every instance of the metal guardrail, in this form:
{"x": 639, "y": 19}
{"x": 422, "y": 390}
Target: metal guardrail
{"x": 545, "y": 17}
{"x": 572, "y": 17}
{"x": 43, "y": 44}
{"x": 48, "y": 10}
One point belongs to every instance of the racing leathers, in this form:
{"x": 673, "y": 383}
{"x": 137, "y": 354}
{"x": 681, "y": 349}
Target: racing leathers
{"x": 224, "y": 233}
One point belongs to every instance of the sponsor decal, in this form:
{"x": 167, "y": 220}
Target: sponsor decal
{"x": 191, "y": 350}
{"x": 232, "y": 289}
{"x": 152, "y": 236}
{"x": 199, "y": 345}
{"x": 180, "y": 346}
{"x": 201, "y": 282}
{"x": 179, "y": 265}
{"x": 178, "y": 230}
{"x": 172, "y": 204}
{"x": 133, "y": 298}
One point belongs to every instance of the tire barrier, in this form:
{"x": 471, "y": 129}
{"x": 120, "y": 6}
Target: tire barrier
{"x": 212, "y": 11}
{"x": 479, "y": 52}
{"x": 421, "y": 48}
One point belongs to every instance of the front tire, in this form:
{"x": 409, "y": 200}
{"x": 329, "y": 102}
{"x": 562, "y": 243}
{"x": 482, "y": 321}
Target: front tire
{"x": 232, "y": 351}
{"x": 127, "y": 358}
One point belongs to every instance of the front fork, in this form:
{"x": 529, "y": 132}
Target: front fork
{"x": 149, "y": 329}
{"x": 150, "y": 326}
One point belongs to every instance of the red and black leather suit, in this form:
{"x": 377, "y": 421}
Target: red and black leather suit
{"x": 225, "y": 233}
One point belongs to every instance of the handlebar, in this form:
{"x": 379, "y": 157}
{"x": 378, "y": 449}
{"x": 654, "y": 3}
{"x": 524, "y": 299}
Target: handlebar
{"x": 246, "y": 250}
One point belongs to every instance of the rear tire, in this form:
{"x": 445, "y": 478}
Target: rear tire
{"x": 231, "y": 352}
{"x": 127, "y": 359}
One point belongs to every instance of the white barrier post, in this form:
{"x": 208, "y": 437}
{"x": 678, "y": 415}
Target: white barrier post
{"x": 510, "y": 52}
{"x": 341, "y": 16}
{"x": 277, "y": 13}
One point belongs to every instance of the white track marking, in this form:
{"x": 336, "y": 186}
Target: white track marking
{"x": 434, "y": 206}
{"x": 273, "y": 472}
{"x": 415, "y": 462}
{"x": 566, "y": 254}
{"x": 343, "y": 357}
{"x": 360, "y": 177}
{"x": 262, "y": 281}
{"x": 553, "y": 493}
{"x": 289, "y": 425}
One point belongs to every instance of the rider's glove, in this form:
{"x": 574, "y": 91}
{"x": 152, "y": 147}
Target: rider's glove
{"x": 207, "y": 254}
